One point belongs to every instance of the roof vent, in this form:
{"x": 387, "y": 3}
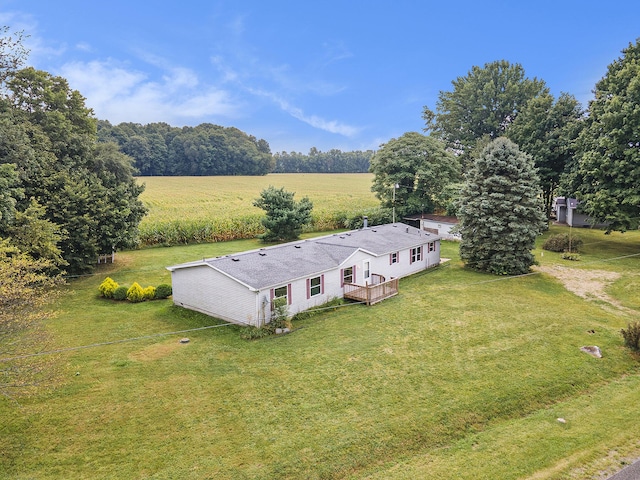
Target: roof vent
{"x": 262, "y": 254}
{"x": 374, "y": 231}
{"x": 297, "y": 246}
{"x": 235, "y": 259}
{"x": 341, "y": 236}
{"x": 407, "y": 229}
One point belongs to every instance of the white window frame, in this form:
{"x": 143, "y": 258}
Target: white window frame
{"x": 346, "y": 275}
{"x": 286, "y": 289}
{"x": 317, "y": 287}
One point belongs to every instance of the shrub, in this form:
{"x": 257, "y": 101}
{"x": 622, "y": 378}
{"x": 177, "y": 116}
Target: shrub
{"x": 107, "y": 287}
{"x": 562, "y": 242}
{"x": 163, "y": 291}
{"x": 280, "y": 315}
{"x": 120, "y": 293}
{"x": 149, "y": 293}
{"x": 632, "y": 336}
{"x": 135, "y": 293}
{"x": 253, "y": 333}
{"x": 570, "y": 256}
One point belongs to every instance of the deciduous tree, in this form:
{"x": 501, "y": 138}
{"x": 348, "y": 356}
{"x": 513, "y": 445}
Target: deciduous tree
{"x": 500, "y": 211}
{"x": 606, "y": 177}
{"x": 482, "y": 103}
{"x": 420, "y": 167}
{"x": 88, "y": 190}
{"x": 547, "y": 129}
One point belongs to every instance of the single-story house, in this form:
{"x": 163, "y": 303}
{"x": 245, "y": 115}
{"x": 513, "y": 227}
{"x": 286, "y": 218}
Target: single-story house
{"x": 441, "y": 225}
{"x": 568, "y": 212}
{"x": 360, "y": 264}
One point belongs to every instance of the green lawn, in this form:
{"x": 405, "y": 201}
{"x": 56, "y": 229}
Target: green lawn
{"x": 461, "y": 376}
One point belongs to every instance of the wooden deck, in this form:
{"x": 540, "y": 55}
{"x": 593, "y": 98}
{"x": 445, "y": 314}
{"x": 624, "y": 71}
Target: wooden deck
{"x": 370, "y": 294}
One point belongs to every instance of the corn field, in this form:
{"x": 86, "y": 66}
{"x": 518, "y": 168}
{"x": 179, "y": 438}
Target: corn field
{"x": 184, "y": 210}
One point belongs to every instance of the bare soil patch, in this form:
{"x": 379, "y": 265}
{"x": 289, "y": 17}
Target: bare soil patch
{"x": 588, "y": 284}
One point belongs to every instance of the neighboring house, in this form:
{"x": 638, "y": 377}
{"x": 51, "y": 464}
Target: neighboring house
{"x": 439, "y": 224}
{"x": 567, "y": 211}
{"x": 361, "y": 264}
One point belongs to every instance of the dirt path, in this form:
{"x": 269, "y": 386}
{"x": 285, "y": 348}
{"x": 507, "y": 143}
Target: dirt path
{"x": 588, "y": 284}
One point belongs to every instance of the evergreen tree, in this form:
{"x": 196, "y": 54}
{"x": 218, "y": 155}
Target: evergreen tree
{"x": 500, "y": 210}
{"x": 285, "y": 217}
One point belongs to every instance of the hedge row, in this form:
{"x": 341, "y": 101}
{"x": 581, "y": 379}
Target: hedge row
{"x": 135, "y": 293}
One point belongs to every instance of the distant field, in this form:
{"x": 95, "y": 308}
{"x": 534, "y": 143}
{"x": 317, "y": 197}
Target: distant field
{"x": 201, "y": 198}
{"x": 185, "y": 210}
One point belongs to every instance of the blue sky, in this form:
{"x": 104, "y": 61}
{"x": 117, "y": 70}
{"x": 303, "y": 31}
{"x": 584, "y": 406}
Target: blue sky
{"x": 300, "y": 74}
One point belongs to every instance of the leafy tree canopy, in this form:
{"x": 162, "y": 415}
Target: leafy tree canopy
{"x": 316, "y": 161}
{"x": 207, "y": 149}
{"x": 500, "y": 211}
{"x": 482, "y": 103}
{"x": 285, "y": 217}
{"x": 548, "y": 129}
{"x": 421, "y": 169}
{"x": 89, "y": 195}
{"x": 607, "y": 174}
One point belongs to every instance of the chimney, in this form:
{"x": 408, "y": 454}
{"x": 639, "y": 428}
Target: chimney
{"x": 365, "y": 222}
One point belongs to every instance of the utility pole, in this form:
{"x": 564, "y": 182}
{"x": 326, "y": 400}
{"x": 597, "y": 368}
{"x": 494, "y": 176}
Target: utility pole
{"x": 394, "y": 201}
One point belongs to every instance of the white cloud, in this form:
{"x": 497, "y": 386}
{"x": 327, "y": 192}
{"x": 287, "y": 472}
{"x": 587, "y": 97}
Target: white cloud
{"x": 332, "y": 126}
{"x": 119, "y": 94}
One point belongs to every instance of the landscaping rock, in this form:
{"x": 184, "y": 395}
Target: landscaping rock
{"x": 184, "y": 340}
{"x": 593, "y": 350}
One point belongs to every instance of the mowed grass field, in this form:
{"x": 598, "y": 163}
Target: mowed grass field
{"x": 461, "y": 376}
{"x": 171, "y": 198}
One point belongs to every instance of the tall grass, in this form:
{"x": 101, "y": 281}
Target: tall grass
{"x": 184, "y": 210}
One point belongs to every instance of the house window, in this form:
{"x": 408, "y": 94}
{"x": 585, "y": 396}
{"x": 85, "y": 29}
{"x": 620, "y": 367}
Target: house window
{"x": 393, "y": 258}
{"x": 432, "y": 246}
{"x": 347, "y": 275}
{"x": 367, "y": 269}
{"x": 281, "y": 294}
{"x": 315, "y": 286}
{"x": 416, "y": 254}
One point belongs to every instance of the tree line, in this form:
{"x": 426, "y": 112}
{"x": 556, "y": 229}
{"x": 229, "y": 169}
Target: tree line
{"x": 158, "y": 149}
{"x": 316, "y": 161}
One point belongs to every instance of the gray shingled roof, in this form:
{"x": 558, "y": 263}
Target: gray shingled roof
{"x": 272, "y": 266}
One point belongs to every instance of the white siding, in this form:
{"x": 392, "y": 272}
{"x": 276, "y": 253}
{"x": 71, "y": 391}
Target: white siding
{"x": 205, "y": 290}
{"x": 404, "y": 267}
{"x": 442, "y": 228}
{"x": 299, "y": 300}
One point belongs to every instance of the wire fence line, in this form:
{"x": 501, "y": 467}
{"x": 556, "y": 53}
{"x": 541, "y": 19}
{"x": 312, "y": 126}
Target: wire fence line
{"x": 311, "y": 311}
{"x": 113, "y": 342}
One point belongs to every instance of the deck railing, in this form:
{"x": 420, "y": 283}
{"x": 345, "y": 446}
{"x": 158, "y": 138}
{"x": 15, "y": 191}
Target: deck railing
{"x": 371, "y": 294}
